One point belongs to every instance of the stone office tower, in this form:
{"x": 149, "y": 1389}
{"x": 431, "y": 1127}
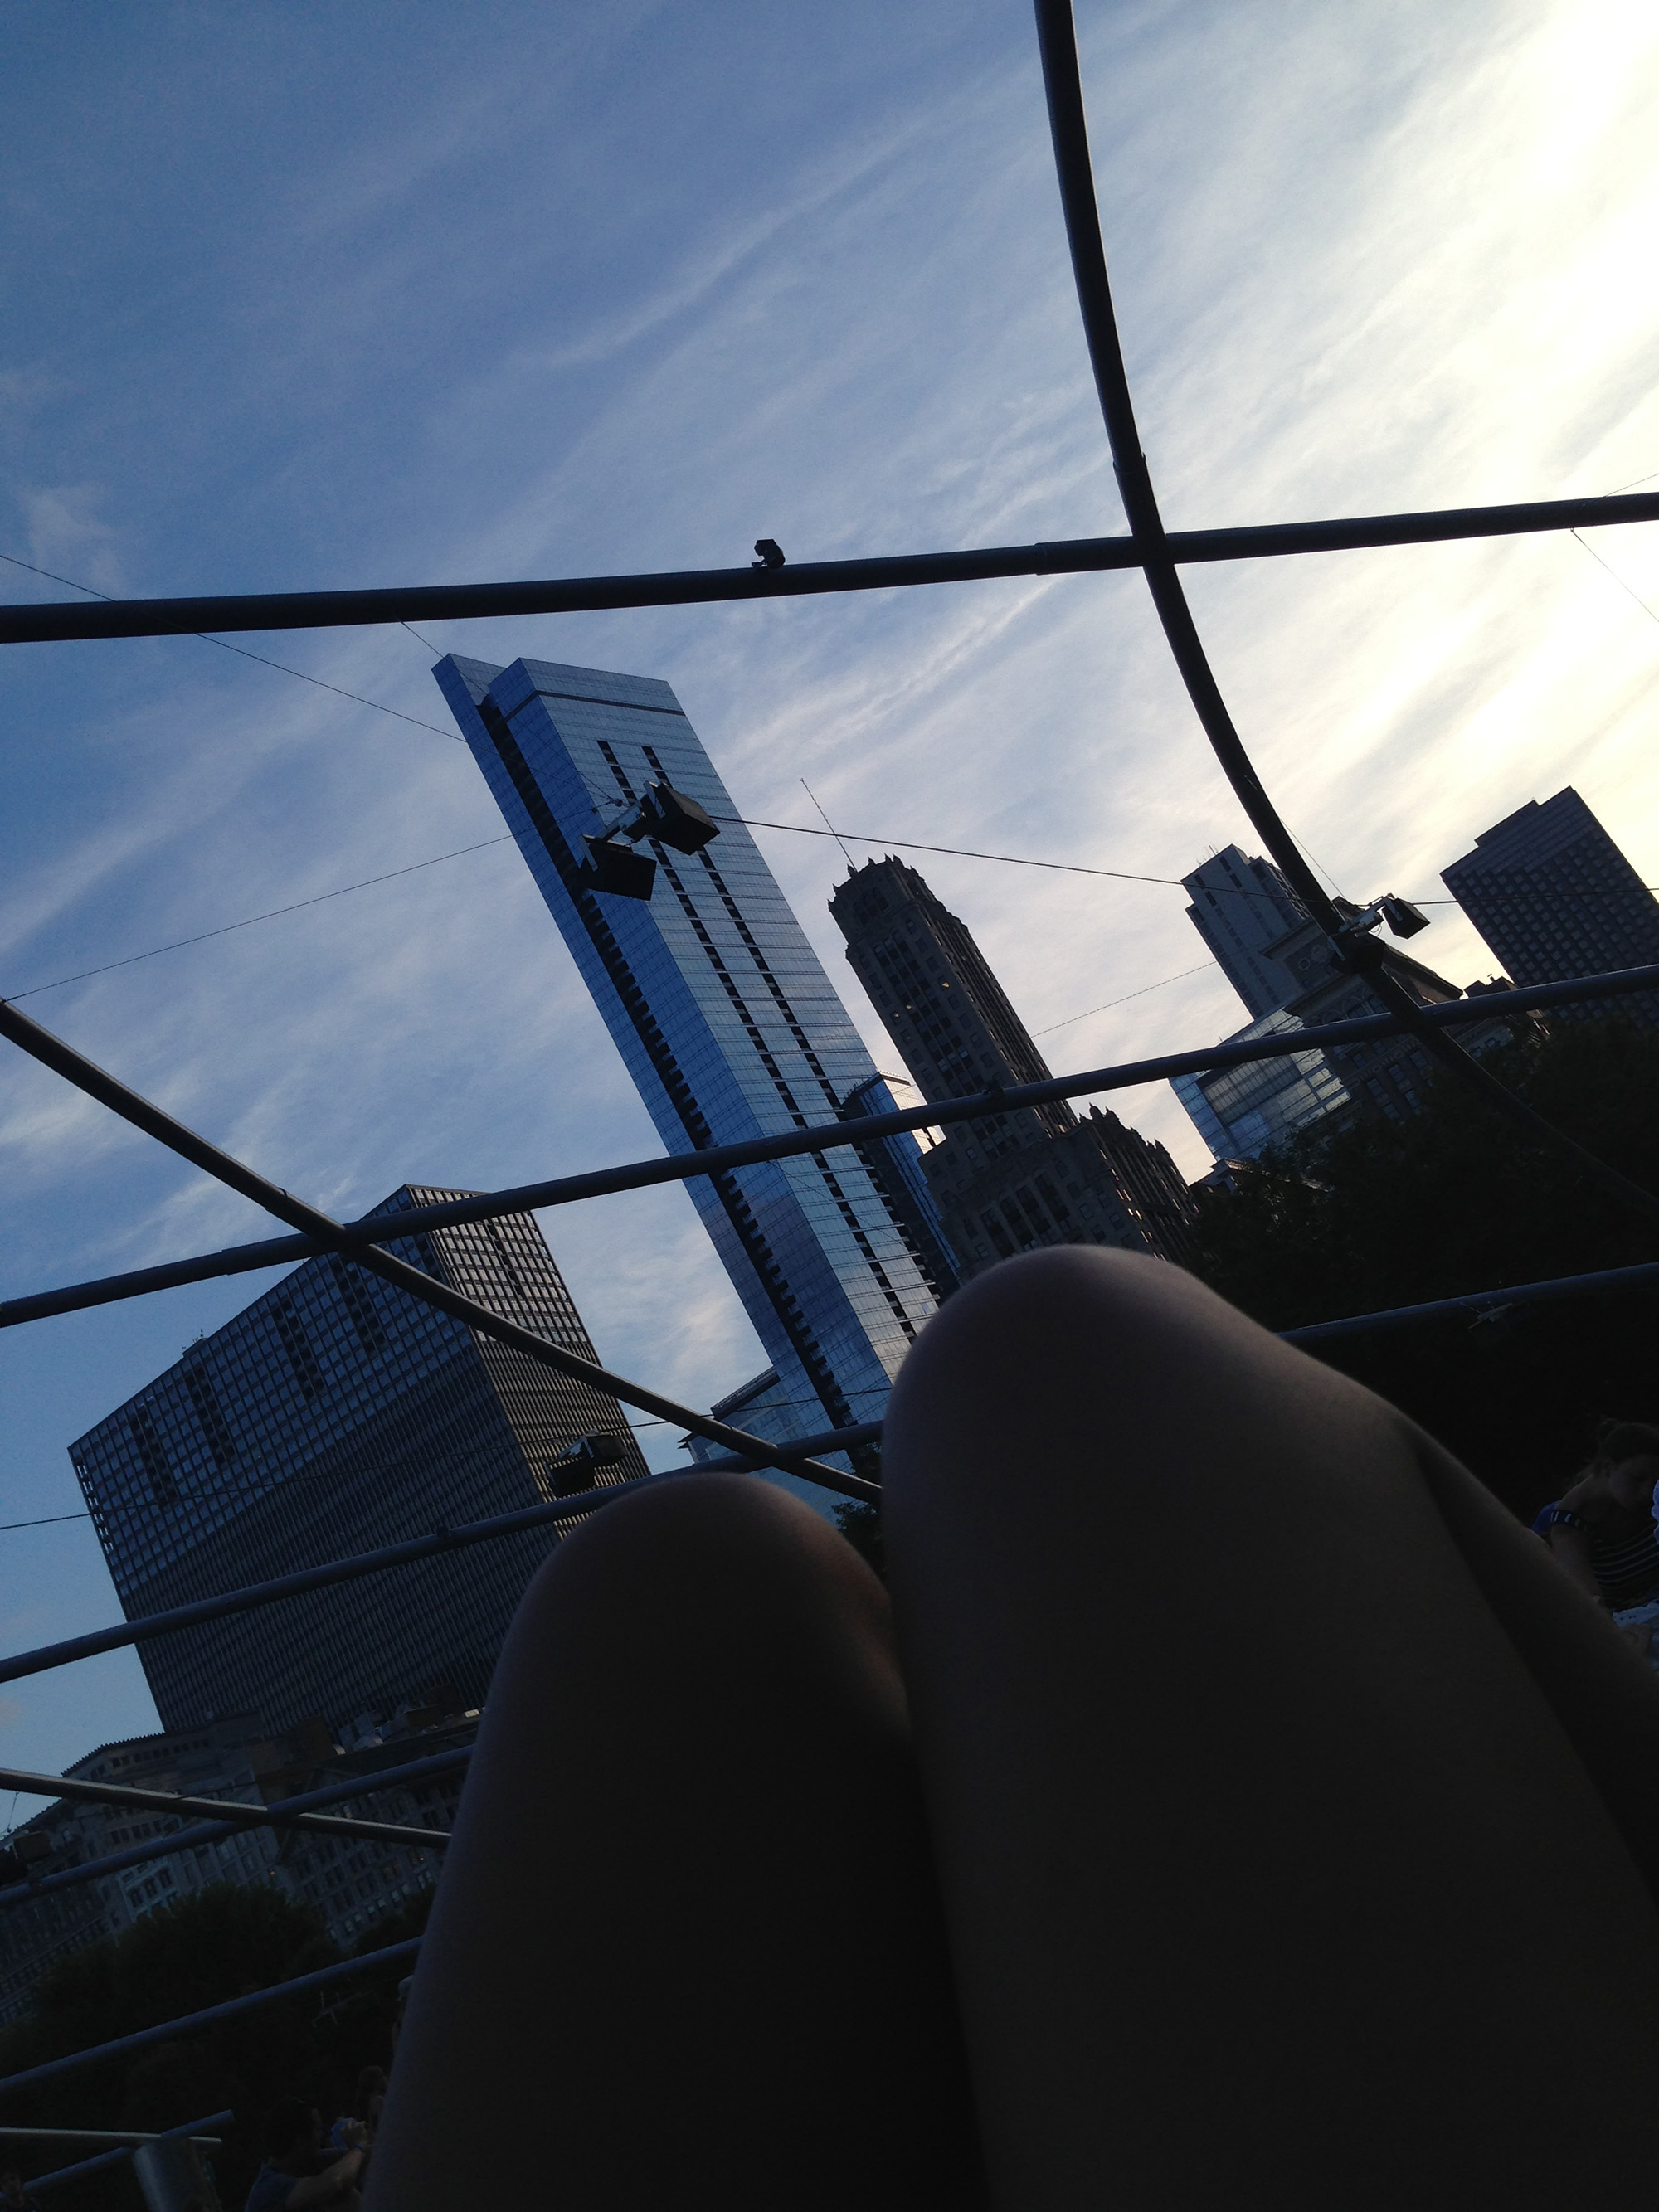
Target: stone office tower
{"x": 336, "y": 1414}
{"x": 723, "y": 1015}
{"x": 1241, "y": 906}
{"x": 1006, "y": 1182}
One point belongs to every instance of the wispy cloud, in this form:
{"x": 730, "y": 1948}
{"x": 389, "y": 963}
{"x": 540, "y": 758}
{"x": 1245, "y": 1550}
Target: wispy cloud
{"x": 561, "y": 292}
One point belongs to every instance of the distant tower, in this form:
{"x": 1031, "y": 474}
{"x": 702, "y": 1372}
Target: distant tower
{"x": 1554, "y": 898}
{"x": 722, "y": 1013}
{"x": 335, "y": 1414}
{"x": 1240, "y": 907}
{"x": 1004, "y": 1182}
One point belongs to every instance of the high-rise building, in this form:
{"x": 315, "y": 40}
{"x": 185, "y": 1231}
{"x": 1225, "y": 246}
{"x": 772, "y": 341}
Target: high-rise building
{"x": 1004, "y": 1182}
{"x": 334, "y": 1415}
{"x": 721, "y": 1009}
{"x": 1242, "y": 906}
{"x": 1244, "y": 910}
{"x": 1554, "y": 898}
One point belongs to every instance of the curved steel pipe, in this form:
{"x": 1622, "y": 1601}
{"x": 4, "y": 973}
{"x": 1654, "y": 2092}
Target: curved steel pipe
{"x": 1057, "y": 39}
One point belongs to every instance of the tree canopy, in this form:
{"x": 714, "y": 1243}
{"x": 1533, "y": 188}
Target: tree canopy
{"x": 1390, "y": 1214}
{"x": 215, "y": 1943}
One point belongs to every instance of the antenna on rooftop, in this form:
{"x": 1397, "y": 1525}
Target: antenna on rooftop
{"x": 829, "y": 824}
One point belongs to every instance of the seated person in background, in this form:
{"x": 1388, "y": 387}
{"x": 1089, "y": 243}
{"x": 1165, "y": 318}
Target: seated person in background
{"x": 298, "y": 2171}
{"x": 1601, "y": 1529}
{"x": 369, "y": 2097}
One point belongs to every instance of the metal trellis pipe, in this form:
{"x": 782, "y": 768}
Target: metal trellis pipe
{"x": 411, "y": 1774}
{"x": 1482, "y": 1305}
{"x": 122, "y": 1634}
{"x": 599, "y": 1183}
{"x": 143, "y": 1114}
{"x": 121, "y": 2045}
{"x": 47, "y": 621}
{"x": 334, "y": 1571}
{"x": 1057, "y": 39}
{"x": 195, "y": 2129}
{"x": 229, "y": 1810}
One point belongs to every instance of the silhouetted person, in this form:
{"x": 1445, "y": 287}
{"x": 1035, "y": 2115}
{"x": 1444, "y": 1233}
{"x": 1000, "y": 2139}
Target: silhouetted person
{"x": 14, "y": 2197}
{"x": 1601, "y": 1529}
{"x": 298, "y": 2171}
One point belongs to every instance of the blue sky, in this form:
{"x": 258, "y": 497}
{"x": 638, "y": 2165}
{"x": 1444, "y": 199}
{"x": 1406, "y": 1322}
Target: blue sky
{"x": 317, "y": 295}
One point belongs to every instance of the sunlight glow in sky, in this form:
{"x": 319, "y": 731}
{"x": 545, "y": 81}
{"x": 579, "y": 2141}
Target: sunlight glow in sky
{"x": 307, "y": 296}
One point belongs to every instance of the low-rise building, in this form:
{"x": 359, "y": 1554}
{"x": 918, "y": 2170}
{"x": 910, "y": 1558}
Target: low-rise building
{"x": 352, "y": 1884}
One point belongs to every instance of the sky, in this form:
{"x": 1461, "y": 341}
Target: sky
{"x": 309, "y": 295}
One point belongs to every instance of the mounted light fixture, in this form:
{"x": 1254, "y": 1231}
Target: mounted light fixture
{"x": 667, "y": 815}
{"x": 616, "y": 869}
{"x": 577, "y": 1469}
{"x": 671, "y": 817}
{"x": 1404, "y": 918}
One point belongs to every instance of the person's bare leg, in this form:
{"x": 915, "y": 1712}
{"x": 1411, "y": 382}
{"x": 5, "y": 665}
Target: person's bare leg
{"x": 687, "y": 1947}
{"x": 1275, "y": 1874}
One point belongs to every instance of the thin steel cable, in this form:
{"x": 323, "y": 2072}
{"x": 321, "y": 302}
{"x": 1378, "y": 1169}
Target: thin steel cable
{"x": 1163, "y": 983}
{"x": 143, "y": 1114}
{"x": 225, "y": 646}
{"x": 797, "y": 828}
{"x": 351, "y": 1239}
{"x": 1362, "y": 955}
{"x": 272, "y": 914}
{"x": 1651, "y": 613}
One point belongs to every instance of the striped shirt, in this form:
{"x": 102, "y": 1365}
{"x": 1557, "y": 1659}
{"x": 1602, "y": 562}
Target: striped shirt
{"x": 1626, "y": 1562}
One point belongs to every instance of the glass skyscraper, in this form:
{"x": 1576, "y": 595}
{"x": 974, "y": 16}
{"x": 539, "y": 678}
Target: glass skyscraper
{"x": 724, "y": 1019}
{"x": 335, "y": 1414}
{"x": 1240, "y": 1111}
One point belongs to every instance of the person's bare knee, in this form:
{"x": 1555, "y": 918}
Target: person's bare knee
{"x": 1122, "y": 1376}
{"x": 708, "y": 1573}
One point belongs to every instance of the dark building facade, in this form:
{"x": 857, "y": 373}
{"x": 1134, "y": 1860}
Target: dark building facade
{"x": 1385, "y": 1076}
{"x": 1006, "y": 1182}
{"x": 1554, "y": 898}
{"x": 336, "y": 1414}
{"x": 1280, "y": 965}
{"x": 1242, "y": 906}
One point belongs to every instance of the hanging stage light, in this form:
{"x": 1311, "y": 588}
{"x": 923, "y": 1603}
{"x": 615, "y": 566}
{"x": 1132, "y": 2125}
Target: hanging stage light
{"x": 1404, "y": 918}
{"x": 616, "y": 869}
{"x": 578, "y": 1469}
{"x": 669, "y": 816}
